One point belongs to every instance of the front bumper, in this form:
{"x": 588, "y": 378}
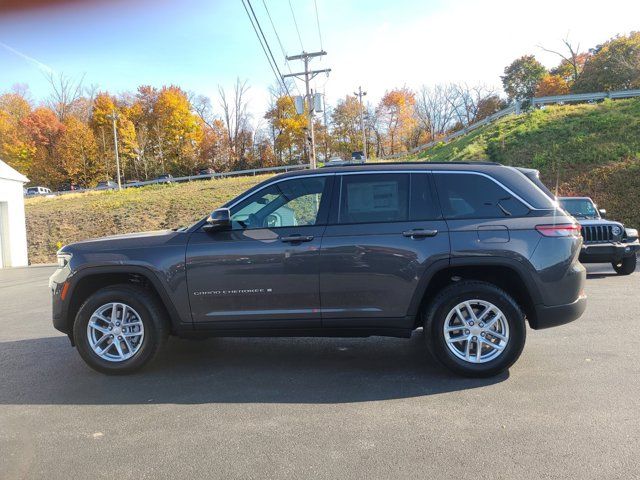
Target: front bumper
{"x": 607, "y": 252}
{"x": 58, "y": 286}
{"x": 547, "y": 317}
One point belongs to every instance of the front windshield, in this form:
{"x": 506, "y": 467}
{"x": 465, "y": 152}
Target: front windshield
{"x": 580, "y": 207}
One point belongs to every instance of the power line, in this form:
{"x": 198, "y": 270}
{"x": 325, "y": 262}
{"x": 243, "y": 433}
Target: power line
{"x": 264, "y": 44}
{"x": 284, "y": 53}
{"x": 296, "y": 24}
{"x": 315, "y": 4}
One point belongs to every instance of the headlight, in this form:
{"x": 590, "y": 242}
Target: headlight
{"x": 63, "y": 259}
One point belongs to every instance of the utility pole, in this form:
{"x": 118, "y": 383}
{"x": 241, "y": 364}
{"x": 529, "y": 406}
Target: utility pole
{"x": 307, "y": 76}
{"x": 114, "y": 117}
{"x": 361, "y": 94}
{"x": 326, "y": 130}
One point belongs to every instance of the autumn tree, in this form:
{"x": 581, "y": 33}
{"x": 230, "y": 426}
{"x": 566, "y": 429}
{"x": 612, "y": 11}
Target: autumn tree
{"x": 44, "y": 131}
{"x": 614, "y": 65}
{"x": 346, "y": 131}
{"x": 78, "y": 154}
{"x": 289, "y": 129}
{"x": 521, "y": 77}
{"x": 15, "y": 148}
{"x": 396, "y": 114}
{"x": 552, "y": 85}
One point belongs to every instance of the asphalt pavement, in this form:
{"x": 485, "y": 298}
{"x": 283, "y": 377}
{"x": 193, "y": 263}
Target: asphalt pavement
{"x": 322, "y": 408}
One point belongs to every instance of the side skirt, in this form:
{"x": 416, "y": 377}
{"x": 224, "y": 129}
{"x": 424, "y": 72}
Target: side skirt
{"x": 290, "y": 332}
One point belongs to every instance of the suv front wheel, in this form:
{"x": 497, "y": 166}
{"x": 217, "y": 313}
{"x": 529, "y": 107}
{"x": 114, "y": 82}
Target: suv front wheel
{"x": 119, "y": 329}
{"x": 475, "y": 329}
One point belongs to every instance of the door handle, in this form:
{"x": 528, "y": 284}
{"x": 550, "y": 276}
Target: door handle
{"x": 297, "y": 238}
{"x": 419, "y": 233}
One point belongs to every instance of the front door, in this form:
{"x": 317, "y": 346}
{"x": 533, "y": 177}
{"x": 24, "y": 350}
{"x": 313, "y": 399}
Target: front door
{"x": 264, "y": 271}
{"x": 385, "y": 230}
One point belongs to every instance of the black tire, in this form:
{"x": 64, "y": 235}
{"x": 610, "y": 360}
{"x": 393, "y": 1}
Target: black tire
{"x": 435, "y": 317}
{"x": 626, "y": 266}
{"x": 153, "y": 318}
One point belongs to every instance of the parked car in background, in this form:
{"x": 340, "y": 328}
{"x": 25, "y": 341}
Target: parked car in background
{"x": 206, "y": 171}
{"x": 165, "y": 178}
{"x": 69, "y": 187}
{"x": 336, "y": 161}
{"x": 470, "y": 252}
{"x": 107, "y": 185}
{"x": 38, "y": 191}
{"x": 358, "y": 157}
{"x": 605, "y": 241}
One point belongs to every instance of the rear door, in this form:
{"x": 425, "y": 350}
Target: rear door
{"x": 385, "y": 230}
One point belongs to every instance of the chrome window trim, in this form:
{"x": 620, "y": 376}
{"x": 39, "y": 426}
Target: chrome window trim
{"x": 244, "y": 197}
{"x": 455, "y": 172}
{"x": 500, "y": 184}
{"x": 373, "y": 172}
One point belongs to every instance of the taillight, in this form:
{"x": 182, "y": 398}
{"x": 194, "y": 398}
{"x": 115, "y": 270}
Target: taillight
{"x": 564, "y": 230}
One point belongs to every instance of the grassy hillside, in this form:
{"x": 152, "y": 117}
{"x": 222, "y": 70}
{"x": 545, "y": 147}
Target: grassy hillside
{"x": 53, "y": 222}
{"x": 587, "y": 149}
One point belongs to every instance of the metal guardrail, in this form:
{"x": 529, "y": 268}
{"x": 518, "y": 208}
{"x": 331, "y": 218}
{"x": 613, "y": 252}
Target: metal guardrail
{"x": 516, "y": 108}
{"x": 191, "y": 178}
{"x": 584, "y": 97}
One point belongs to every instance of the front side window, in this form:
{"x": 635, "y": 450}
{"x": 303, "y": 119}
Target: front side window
{"x": 289, "y": 203}
{"x": 372, "y": 198}
{"x": 467, "y": 195}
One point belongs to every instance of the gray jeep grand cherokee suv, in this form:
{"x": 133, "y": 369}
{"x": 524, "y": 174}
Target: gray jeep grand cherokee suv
{"x": 468, "y": 251}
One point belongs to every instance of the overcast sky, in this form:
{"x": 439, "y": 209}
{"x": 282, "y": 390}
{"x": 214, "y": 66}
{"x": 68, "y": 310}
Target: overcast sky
{"x": 198, "y": 44}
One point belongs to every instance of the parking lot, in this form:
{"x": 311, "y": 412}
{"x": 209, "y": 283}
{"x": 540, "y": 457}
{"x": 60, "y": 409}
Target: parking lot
{"x": 322, "y": 408}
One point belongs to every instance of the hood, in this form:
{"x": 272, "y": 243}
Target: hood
{"x": 585, "y": 222}
{"x": 140, "y": 240}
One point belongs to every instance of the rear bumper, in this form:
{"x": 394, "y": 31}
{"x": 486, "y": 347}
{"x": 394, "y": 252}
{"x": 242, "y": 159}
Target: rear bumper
{"x": 607, "y": 252}
{"x": 547, "y": 317}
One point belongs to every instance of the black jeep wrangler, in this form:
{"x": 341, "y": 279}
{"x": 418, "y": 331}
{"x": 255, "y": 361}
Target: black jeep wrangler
{"x": 604, "y": 241}
{"x": 471, "y": 252}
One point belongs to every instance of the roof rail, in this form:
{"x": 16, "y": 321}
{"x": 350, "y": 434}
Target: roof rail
{"x": 354, "y": 164}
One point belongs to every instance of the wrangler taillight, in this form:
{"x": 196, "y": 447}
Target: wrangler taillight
{"x": 563, "y": 230}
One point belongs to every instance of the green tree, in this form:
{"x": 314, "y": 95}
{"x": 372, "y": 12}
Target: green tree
{"x": 521, "y": 77}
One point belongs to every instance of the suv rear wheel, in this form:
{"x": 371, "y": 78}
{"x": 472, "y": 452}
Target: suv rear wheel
{"x": 626, "y": 266}
{"x": 119, "y": 329}
{"x": 475, "y": 329}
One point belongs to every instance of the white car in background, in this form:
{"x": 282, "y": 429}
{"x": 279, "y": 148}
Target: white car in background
{"x": 31, "y": 191}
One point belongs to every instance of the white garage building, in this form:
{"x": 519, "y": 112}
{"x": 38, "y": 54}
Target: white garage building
{"x": 13, "y": 232}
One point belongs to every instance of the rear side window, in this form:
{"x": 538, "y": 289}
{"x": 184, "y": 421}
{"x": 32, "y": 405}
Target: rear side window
{"x": 466, "y": 195}
{"x": 373, "y": 198}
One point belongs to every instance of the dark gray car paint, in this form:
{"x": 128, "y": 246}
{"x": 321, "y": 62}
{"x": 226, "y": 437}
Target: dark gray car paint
{"x": 350, "y": 276}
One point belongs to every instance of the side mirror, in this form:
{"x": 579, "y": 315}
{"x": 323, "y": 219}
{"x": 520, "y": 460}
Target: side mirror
{"x": 219, "y": 219}
{"x": 603, "y": 212}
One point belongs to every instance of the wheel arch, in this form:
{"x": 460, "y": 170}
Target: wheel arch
{"x": 508, "y": 274}
{"x": 87, "y": 281}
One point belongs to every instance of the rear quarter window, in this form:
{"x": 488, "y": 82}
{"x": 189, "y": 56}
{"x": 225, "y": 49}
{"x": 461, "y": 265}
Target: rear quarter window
{"x": 468, "y": 195}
